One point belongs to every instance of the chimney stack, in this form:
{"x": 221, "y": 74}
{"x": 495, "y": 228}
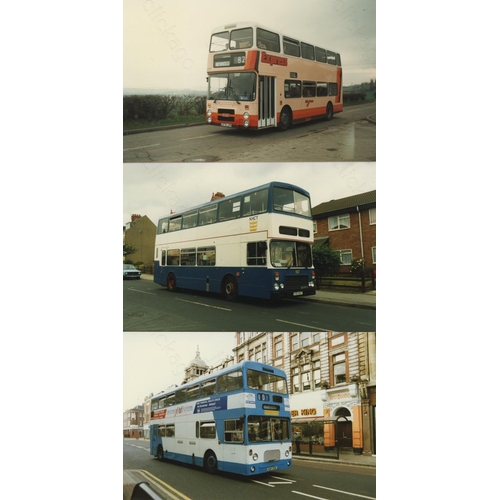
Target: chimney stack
{"x": 217, "y": 196}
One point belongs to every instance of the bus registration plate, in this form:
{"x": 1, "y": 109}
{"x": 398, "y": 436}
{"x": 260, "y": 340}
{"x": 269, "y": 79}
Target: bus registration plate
{"x": 275, "y": 467}
{"x": 298, "y": 293}
{"x": 226, "y": 124}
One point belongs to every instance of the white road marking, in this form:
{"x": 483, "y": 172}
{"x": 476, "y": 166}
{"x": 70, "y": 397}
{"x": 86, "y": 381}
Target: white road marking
{"x": 265, "y": 484}
{"x": 310, "y": 496}
{"x": 205, "y": 305}
{"x": 313, "y": 328}
{"x": 289, "y": 480}
{"x": 345, "y": 492}
{"x": 140, "y": 291}
{"x": 142, "y": 147}
{"x": 198, "y": 137}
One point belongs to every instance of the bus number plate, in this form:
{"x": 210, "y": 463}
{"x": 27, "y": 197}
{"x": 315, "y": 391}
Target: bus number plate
{"x": 298, "y": 293}
{"x": 272, "y": 468}
{"x": 226, "y": 125}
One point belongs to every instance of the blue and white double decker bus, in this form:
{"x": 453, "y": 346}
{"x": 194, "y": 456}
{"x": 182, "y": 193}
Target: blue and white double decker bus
{"x": 256, "y": 243}
{"x": 235, "y": 420}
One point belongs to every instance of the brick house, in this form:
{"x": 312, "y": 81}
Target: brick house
{"x": 140, "y": 233}
{"x": 133, "y": 422}
{"x": 349, "y": 226}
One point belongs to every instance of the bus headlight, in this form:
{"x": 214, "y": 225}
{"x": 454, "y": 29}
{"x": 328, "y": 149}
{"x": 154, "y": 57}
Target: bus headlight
{"x": 252, "y": 469}
{"x": 255, "y": 457}
{"x": 246, "y": 123}
{"x": 209, "y": 112}
{"x": 209, "y": 119}
{"x": 276, "y": 286}
{"x": 246, "y": 115}
{"x": 282, "y": 286}
{"x": 287, "y": 453}
{"x": 311, "y": 284}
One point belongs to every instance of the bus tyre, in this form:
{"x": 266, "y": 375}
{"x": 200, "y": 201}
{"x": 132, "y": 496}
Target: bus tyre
{"x": 285, "y": 119}
{"x": 230, "y": 288}
{"x": 159, "y": 452}
{"x": 210, "y": 462}
{"x": 329, "y": 111}
{"x": 171, "y": 282}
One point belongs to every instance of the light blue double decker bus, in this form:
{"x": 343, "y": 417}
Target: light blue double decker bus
{"x": 235, "y": 420}
{"x": 256, "y": 243}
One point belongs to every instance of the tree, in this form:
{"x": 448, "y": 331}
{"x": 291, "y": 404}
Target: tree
{"x": 326, "y": 261}
{"x": 128, "y": 249}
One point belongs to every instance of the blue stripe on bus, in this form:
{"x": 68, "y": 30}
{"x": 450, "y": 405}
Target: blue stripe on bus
{"x": 233, "y": 467}
{"x": 254, "y": 282}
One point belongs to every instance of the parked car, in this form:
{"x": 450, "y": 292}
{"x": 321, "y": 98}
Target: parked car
{"x": 131, "y": 272}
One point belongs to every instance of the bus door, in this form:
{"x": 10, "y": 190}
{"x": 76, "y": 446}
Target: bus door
{"x": 267, "y": 101}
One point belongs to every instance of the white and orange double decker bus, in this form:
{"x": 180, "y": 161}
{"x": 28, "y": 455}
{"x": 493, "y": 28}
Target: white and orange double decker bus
{"x": 258, "y": 78}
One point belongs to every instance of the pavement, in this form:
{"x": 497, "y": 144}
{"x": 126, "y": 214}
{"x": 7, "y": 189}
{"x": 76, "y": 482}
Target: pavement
{"x": 364, "y": 300}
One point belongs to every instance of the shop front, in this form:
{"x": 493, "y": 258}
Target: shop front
{"x": 325, "y": 422}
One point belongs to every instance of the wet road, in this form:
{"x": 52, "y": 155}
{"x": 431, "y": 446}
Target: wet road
{"x": 348, "y": 137}
{"x": 150, "y": 307}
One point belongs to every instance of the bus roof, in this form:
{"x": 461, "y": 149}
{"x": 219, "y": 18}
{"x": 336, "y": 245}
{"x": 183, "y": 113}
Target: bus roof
{"x": 242, "y": 24}
{"x": 254, "y": 365}
{"x": 263, "y": 186}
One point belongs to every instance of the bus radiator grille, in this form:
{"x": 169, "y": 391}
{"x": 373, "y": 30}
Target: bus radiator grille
{"x": 226, "y": 115}
{"x": 271, "y": 455}
{"x": 294, "y": 283}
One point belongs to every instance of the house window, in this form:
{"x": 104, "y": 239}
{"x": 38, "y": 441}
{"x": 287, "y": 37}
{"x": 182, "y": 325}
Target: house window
{"x": 373, "y": 215}
{"x": 295, "y": 342}
{"x": 305, "y": 339}
{"x": 338, "y": 222}
{"x": 317, "y": 374}
{"x": 339, "y": 369}
{"x": 278, "y": 347}
{"x": 345, "y": 257}
{"x": 374, "y": 255}
{"x": 338, "y": 340}
{"x": 306, "y": 382}
{"x": 258, "y": 354}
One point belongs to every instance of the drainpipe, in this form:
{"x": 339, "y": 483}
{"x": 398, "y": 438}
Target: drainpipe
{"x": 361, "y": 237}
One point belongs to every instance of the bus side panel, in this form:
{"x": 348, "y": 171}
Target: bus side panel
{"x": 160, "y": 274}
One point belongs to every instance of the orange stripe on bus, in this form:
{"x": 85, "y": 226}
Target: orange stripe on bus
{"x": 252, "y": 57}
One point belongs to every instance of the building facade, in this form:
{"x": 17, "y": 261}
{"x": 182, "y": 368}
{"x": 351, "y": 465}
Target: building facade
{"x": 348, "y": 225}
{"x": 332, "y": 385}
{"x": 133, "y": 422}
{"x": 140, "y": 233}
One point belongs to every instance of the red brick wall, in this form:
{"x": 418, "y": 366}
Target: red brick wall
{"x": 344, "y": 239}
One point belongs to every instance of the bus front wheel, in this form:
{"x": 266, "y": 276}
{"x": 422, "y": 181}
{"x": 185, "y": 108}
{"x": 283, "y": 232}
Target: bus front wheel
{"x": 230, "y": 288}
{"x": 171, "y": 282}
{"x": 285, "y": 119}
{"x": 159, "y": 452}
{"x": 211, "y": 462}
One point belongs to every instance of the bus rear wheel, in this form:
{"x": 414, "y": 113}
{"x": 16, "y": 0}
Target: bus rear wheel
{"x": 159, "y": 452}
{"x": 285, "y": 119}
{"x": 171, "y": 282}
{"x": 329, "y": 111}
{"x": 230, "y": 288}
{"x": 210, "y": 462}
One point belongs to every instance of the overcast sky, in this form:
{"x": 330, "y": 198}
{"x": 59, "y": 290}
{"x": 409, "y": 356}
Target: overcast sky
{"x": 155, "y": 189}
{"x": 154, "y": 361}
{"x": 166, "y": 42}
